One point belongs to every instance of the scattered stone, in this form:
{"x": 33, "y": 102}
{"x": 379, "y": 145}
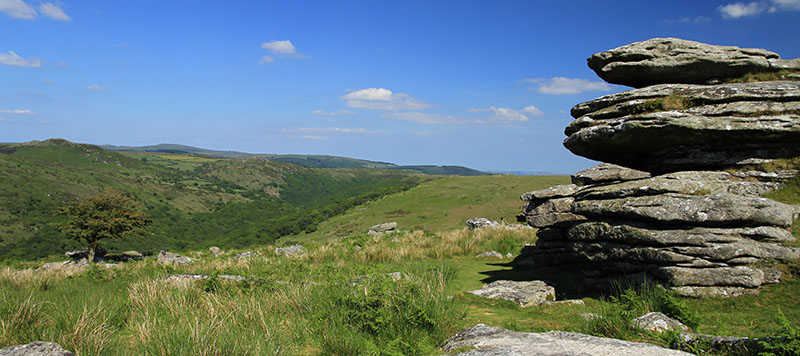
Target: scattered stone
{"x": 480, "y": 223}
{"x": 523, "y": 294}
{"x": 173, "y": 258}
{"x": 673, "y": 60}
{"x": 658, "y": 322}
{"x": 215, "y": 251}
{"x": 189, "y": 276}
{"x": 606, "y": 172}
{"x": 491, "y": 254}
{"x": 291, "y": 251}
{"x": 244, "y": 254}
{"x": 36, "y": 348}
{"x": 383, "y": 228}
{"x": 494, "y": 341}
{"x": 565, "y": 302}
{"x": 55, "y": 265}
{"x": 509, "y": 255}
{"x": 126, "y": 256}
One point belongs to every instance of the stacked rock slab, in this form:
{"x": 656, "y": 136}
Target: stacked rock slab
{"x": 679, "y": 201}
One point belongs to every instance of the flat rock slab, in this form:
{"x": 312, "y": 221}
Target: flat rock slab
{"x": 494, "y": 341}
{"x": 479, "y": 223}
{"x": 36, "y": 348}
{"x": 557, "y": 191}
{"x": 674, "y": 60}
{"x": 383, "y": 228}
{"x": 606, "y": 172}
{"x": 522, "y": 293}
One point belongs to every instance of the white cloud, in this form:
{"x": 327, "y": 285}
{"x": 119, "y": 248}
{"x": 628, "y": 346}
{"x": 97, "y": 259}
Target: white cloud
{"x": 266, "y": 60}
{"x": 685, "y": 20}
{"x": 96, "y": 87}
{"x": 54, "y": 11}
{"x": 562, "y": 85}
{"x": 281, "y": 49}
{"x": 531, "y": 110}
{"x": 17, "y": 9}
{"x": 382, "y": 99}
{"x": 740, "y": 9}
{"x": 504, "y": 115}
{"x": 332, "y": 113}
{"x": 360, "y": 131}
{"x": 428, "y": 119}
{"x": 737, "y": 10}
{"x": 13, "y": 59}
{"x": 312, "y": 137}
{"x": 17, "y": 112}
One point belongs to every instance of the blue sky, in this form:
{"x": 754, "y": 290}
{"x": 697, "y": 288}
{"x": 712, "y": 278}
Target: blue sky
{"x": 484, "y": 84}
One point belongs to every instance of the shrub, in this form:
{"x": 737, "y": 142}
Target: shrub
{"x": 787, "y": 342}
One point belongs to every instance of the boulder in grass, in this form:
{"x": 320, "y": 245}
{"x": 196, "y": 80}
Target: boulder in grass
{"x": 173, "y": 258}
{"x": 480, "y": 223}
{"x": 291, "y": 251}
{"x": 658, "y": 322}
{"x": 524, "y": 294}
{"x": 36, "y": 348}
{"x": 383, "y": 228}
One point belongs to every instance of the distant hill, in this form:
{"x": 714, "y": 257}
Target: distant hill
{"x": 313, "y": 161}
{"x": 194, "y": 200}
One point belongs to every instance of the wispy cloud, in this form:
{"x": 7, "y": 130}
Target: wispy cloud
{"x": 17, "y": 112}
{"x": 19, "y": 9}
{"x": 507, "y": 115}
{"x": 359, "y": 130}
{"x": 562, "y": 85}
{"x": 54, "y": 11}
{"x": 97, "y": 87}
{"x": 332, "y": 113}
{"x": 382, "y": 99}
{"x": 740, "y": 9}
{"x": 428, "y": 119}
{"x": 688, "y": 20}
{"x": 312, "y": 137}
{"x": 13, "y": 59}
{"x": 280, "y": 49}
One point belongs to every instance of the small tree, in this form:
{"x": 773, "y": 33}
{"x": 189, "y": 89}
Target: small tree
{"x": 108, "y": 215}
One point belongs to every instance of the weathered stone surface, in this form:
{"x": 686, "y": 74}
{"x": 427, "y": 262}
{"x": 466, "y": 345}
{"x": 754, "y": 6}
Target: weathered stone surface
{"x": 606, "y": 172}
{"x": 714, "y": 292}
{"x": 291, "y": 251}
{"x": 719, "y": 126}
{"x": 494, "y": 341}
{"x": 36, "y": 348}
{"x": 557, "y": 191}
{"x": 778, "y": 175}
{"x": 706, "y": 210}
{"x": 169, "y": 257}
{"x": 479, "y": 223}
{"x": 215, "y": 251}
{"x": 673, "y": 60}
{"x": 126, "y": 256}
{"x": 522, "y": 293}
{"x": 189, "y": 276}
{"x": 710, "y": 277}
{"x": 552, "y": 212}
{"x": 492, "y": 253}
{"x": 658, "y": 322}
{"x": 383, "y": 228}
{"x": 686, "y": 182}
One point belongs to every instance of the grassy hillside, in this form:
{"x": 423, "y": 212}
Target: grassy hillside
{"x": 194, "y": 201}
{"x": 313, "y": 161}
{"x": 438, "y": 205}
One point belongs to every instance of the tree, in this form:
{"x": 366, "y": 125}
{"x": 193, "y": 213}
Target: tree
{"x": 108, "y": 215}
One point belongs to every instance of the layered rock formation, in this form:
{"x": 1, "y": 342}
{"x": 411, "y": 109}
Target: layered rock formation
{"x": 679, "y": 200}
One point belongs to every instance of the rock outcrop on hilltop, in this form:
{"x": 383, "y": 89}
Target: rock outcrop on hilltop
{"x": 680, "y": 203}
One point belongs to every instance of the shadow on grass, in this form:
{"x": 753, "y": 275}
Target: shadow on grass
{"x": 567, "y": 280}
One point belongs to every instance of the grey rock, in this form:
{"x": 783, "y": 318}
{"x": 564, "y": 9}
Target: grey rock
{"x": 685, "y": 182}
{"x": 673, "y": 60}
{"x": 780, "y": 175}
{"x": 126, "y": 256}
{"x": 606, "y": 172}
{"x": 739, "y": 276}
{"x": 491, "y": 254}
{"x": 479, "y": 223}
{"x": 557, "y": 191}
{"x": 55, "y": 265}
{"x": 522, "y": 293}
{"x": 173, "y": 258}
{"x": 494, "y": 341}
{"x": 724, "y": 125}
{"x": 291, "y": 251}
{"x": 189, "y": 276}
{"x": 706, "y": 210}
{"x": 714, "y": 292}
{"x": 552, "y": 212}
{"x": 728, "y": 343}
{"x": 564, "y": 302}
{"x": 36, "y": 348}
{"x": 244, "y": 254}
{"x": 383, "y": 228}
{"x": 658, "y": 322}
{"x": 215, "y": 251}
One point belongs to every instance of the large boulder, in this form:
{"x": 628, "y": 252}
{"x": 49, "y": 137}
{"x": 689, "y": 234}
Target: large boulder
{"x": 36, "y": 348}
{"x": 658, "y": 322}
{"x": 383, "y": 228}
{"x": 493, "y": 341}
{"x": 673, "y": 60}
{"x": 674, "y": 127}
